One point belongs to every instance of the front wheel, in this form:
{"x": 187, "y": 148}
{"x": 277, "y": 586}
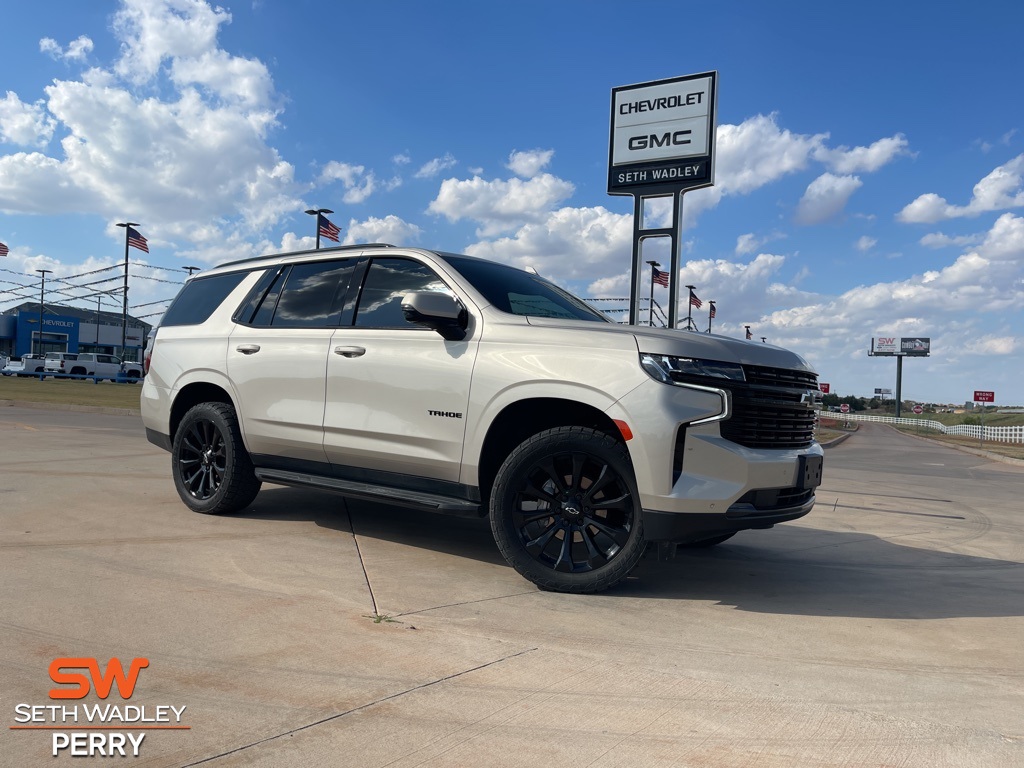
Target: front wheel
{"x": 565, "y": 512}
{"x": 213, "y": 473}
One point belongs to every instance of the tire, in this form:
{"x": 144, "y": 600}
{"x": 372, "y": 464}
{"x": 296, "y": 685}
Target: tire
{"x": 713, "y": 541}
{"x": 565, "y": 512}
{"x": 79, "y": 371}
{"x": 213, "y": 473}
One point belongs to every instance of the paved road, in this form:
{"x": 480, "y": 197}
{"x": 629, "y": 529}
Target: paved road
{"x": 882, "y": 630}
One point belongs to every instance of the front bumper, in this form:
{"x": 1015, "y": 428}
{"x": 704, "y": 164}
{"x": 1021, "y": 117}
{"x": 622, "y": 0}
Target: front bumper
{"x": 742, "y": 516}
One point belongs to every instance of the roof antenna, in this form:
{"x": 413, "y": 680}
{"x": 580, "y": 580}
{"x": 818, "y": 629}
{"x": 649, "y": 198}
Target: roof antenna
{"x": 533, "y": 271}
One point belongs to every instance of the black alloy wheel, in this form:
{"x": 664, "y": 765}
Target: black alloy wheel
{"x": 212, "y": 470}
{"x": 565, "y": 512}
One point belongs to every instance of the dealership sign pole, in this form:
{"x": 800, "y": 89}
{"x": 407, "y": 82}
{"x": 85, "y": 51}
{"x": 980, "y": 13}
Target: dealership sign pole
{"x": 662, "y": 144}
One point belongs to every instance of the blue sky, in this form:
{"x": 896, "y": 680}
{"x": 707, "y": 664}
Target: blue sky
{"x": 869, "y": 176}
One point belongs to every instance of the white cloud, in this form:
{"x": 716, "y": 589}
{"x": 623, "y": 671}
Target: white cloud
{"x": 750, "y": 242}
{"x": 152, "y": 32}
{"x": 200, "y": 148}
{"x": 939, "y": 240}
{"x": 401, "y": 159}
{"x": 741, "y": 291}
{"x": 865, "y": 243}
{"x": 749, "y": 156}
{"x": 77, "y": 50}
{"x": 435, "y": 166}
{"x": 499, "y": 205}
{"x": 757, "y": 152}
{"x": 863, "y": 159}
{"x": 825, "y": 198}
{"x": 24, "y": 124}
{"x": 389, "y": 229}
{"x": 358, "y": 184}
{"x": 747, "y": 243}
{"x": 567, "y": 244}
{"x": 1005, "y": 241}
{"x": 999, "y": 190}
{"x": 528, "y": 164}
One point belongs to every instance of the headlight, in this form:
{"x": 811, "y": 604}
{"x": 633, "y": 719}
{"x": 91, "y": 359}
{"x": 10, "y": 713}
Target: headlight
{"x": 679, "y": 370}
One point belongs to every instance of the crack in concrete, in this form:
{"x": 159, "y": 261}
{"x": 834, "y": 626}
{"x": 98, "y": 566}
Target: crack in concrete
{"x": 361, "y": 707}
{"x": 466, "y": 602}
{"x": 359, "y": 552}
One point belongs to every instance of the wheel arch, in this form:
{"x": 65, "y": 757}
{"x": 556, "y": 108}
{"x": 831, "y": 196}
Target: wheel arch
{"x": 521, "y": 420}
{"x": 193, "y": 394}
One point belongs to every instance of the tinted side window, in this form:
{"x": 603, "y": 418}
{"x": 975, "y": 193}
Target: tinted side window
{"x": 387, "y": 281}
{"x": 313, "y": 294}
{"x": 199, "y": 298}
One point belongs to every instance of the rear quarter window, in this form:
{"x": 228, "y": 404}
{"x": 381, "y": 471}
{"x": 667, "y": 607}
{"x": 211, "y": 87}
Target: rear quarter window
{"x": 199, "y": 298}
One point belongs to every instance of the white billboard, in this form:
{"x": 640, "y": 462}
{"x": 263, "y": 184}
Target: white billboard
{"x": 885, "y": 345}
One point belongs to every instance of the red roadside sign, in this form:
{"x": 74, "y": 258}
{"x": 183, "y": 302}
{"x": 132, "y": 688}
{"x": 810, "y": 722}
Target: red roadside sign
{"x": 918, "y": 409}
{"x": 844, "y": 407}
{"x": 984, "y": 396}
{"x": 824, "y": 387}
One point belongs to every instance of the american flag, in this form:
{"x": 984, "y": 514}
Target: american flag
{"x": 4, "y": 250}
{"x": 712, "y": 305}
{"x": 661, "y": 278}
{"x": 135, "y": 240}
{"x": 694, "y": 301}
{"x": 749, "y": 335}
{"x": 328, "y": 229}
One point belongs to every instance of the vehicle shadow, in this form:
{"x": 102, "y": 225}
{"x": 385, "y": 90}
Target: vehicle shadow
{"x": 458, "y": 536}
{"x": 792, "y": 570}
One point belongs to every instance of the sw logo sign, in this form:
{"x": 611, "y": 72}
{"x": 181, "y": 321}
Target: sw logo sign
{"x": 102, "y": 681}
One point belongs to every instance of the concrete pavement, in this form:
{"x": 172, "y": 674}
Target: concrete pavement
{"x": 883, "y": 629}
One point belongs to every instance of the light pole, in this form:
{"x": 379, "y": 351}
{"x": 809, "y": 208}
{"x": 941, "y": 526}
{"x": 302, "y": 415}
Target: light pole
{"x": 191, "y": 270}
{"x": 650, "y": 307}
{"x": 711, "y": 313}
{"x": 316, "y": 212}
{"x": 124, "y": 308}
{"x": 42, "y": 294}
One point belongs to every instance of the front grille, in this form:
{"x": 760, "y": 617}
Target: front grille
{"x": 770, "y": 409}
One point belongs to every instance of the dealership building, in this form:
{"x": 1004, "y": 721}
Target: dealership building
{"x": 70, "y": 329}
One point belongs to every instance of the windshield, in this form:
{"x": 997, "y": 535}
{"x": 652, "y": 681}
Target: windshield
{"x": 520, "y": 293}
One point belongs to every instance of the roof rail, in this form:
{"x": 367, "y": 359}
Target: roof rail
{"x": 332, "y": 249}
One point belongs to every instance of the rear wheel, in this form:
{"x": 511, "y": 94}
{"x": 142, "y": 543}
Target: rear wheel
{"x": 565, "y": 512}
{"x": 213, "y": 473}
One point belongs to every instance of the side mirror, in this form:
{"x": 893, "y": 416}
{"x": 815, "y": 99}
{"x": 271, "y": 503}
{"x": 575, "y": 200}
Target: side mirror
{"x": 439, "y": 311}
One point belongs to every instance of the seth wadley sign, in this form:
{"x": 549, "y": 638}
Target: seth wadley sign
{"x": 662, "y": 134}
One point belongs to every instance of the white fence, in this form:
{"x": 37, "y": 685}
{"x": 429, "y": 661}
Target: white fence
{"x": 995, "y": 434}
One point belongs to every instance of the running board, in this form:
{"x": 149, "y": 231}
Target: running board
{"x": 446, "y": 505}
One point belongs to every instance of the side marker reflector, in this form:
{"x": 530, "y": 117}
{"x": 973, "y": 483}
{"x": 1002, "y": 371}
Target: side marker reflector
{"x": 627, "y": 433}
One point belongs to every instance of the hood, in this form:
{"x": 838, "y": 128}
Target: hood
{"x": 707, "y": 346}
{"x": 711, "y": 346}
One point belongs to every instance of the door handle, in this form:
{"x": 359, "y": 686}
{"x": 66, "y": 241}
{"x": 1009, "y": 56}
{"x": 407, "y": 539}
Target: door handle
{"x": 248, "y": 349}
{"x": 350, "y": 351}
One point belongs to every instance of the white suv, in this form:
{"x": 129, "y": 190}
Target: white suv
{"x": 458, "y": 385}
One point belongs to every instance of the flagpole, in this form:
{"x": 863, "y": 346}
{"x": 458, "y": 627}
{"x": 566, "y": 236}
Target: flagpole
{"x": 124, "y": 303}
{"x": 711, "y": 313}
{"x": 689, "y": 308}
{"x": 317, "y": 212}
{"x": 650, "y": 307}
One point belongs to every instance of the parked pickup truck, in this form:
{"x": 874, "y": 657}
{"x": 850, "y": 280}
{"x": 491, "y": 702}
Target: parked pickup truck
{"x": 29, "y": 364}
{"x": 92, "y": 364}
